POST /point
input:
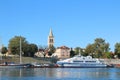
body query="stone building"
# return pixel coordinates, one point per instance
(62, 52)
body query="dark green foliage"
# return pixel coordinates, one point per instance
(31, 49)
(72, 53)
(108, 55)
(98, 48)
(51, 50)
(27, 49)
(14, 44)
(49, 53)
(80, 51)
(77, 50)
(117, 49)
(89, 49)
(4, 50)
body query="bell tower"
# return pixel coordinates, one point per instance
(50, 39)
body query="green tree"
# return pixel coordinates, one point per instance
(108, 55)
(4, 50)
(101, 47)
(77, 50)
(14, 45)
(32, 48)
(51, 50)
(98, 48)
(90, 50)
(27, 49)
(72, 53)
(117, 49)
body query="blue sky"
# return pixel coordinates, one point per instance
(74, 22)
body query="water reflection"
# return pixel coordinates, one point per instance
(58, 73)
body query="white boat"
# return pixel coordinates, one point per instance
(82, 62)
(15, 65)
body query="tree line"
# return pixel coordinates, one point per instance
(27, 49)
(99, 48)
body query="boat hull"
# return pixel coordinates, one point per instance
(83, 62)
(70, 65)
(16, 66)
(13, 66)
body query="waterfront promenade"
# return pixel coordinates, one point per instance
(25, 60)
(112, 61)
(115, 62)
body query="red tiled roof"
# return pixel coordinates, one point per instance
(63, 47)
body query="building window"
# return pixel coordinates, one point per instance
(67, 54)
(62, 53)
(51, 40)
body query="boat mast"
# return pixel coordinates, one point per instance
(20, 51)
(0, 48)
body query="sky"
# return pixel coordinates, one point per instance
(75, 23)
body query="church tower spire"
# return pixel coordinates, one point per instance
(50, 39)
(50, 34)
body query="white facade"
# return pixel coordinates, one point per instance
(39, 54)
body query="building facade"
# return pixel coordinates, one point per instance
(40, 53)
(62, 52)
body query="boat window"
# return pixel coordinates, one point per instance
(90, 61)
(83, 58)
(78, 61)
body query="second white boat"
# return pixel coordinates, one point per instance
(82, 62)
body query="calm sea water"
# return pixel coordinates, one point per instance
(60, 74)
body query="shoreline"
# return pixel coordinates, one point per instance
(115, 62)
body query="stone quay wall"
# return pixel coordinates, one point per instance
(112, 61)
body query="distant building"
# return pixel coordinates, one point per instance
(40, 53)
(1, 46)
(62, 52)
(50, 39)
